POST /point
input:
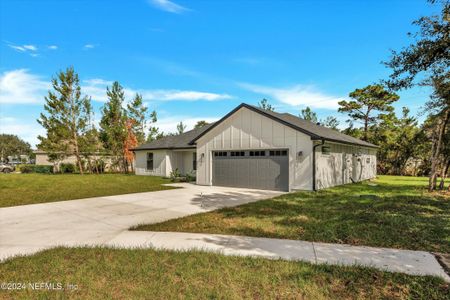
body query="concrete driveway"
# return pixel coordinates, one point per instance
(96, 221)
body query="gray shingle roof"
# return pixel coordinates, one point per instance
(181, 141)
(316, 132)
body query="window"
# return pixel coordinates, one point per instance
(194, 161)
(278, 153)
(237, 153)
(150, 161)
(368, 160)
(220, 153)
(257, 153)
(326, 150)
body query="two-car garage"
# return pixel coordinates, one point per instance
(258, 169)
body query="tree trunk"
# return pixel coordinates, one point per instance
(436, 151)
(444, 174)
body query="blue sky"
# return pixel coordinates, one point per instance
(195, 60)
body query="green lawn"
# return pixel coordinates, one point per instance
(101, 273)
(20, 189)
(397, 212)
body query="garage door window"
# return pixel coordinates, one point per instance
(220, 153)
(237, 153)
(257, 153)
(278, 153)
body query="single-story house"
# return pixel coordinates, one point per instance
(42, 158)
(256, 148)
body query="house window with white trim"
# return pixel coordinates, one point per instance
(150, 161)
(194, 161)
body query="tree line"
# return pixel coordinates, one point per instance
(68, 119)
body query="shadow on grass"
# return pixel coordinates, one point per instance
(394, 215)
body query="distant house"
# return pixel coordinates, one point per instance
(255, 148)
(42, 158)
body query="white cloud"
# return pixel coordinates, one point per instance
(21, 87)
(30, 47)
(168, 6)
(17, 48)
(297, 95)
(96, 88)
(88, 46)
(53, 47)
(22, 128)
(169, 124)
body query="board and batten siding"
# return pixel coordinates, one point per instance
(245, 130)
(344, 163)
(159, 163)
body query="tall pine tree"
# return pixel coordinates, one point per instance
(113, 131)
(65, 118)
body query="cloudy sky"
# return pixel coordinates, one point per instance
(197, 60)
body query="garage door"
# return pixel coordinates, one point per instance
(257, 169)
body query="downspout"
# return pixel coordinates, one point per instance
(314, 164)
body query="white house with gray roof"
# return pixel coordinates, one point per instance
(254, 148)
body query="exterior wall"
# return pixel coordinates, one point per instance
(246, 129)
(344, 163)
(164, 162)
(159, 163)
(42, 159)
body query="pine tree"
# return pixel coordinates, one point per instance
(66, 117)
(367, 102)
(137, 111)
(180, 128)
(113, 130)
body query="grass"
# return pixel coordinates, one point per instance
(20, 189)
(102, 273)
(397, 212)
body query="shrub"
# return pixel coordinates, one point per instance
(190, 178)
(67, 168)
(26, 169)
(174, 175)
(36, 169)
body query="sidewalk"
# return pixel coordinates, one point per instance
(393, 260)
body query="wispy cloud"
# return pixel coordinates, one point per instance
(297, 95)
(96, 88)
(29, 49)
(22, 87)
(88, 46)
(52, 47)
(168, 6)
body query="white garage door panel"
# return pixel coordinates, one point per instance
(269, 171)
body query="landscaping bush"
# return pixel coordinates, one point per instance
(174, 175)
(67, 168)
(26, 169)
(36, 169)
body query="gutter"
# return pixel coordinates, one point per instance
(314, 163)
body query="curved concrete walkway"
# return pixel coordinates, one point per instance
(393, 260)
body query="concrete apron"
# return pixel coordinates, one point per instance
(392, 260)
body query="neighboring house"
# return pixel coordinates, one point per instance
(43, 159)
(255, 148)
